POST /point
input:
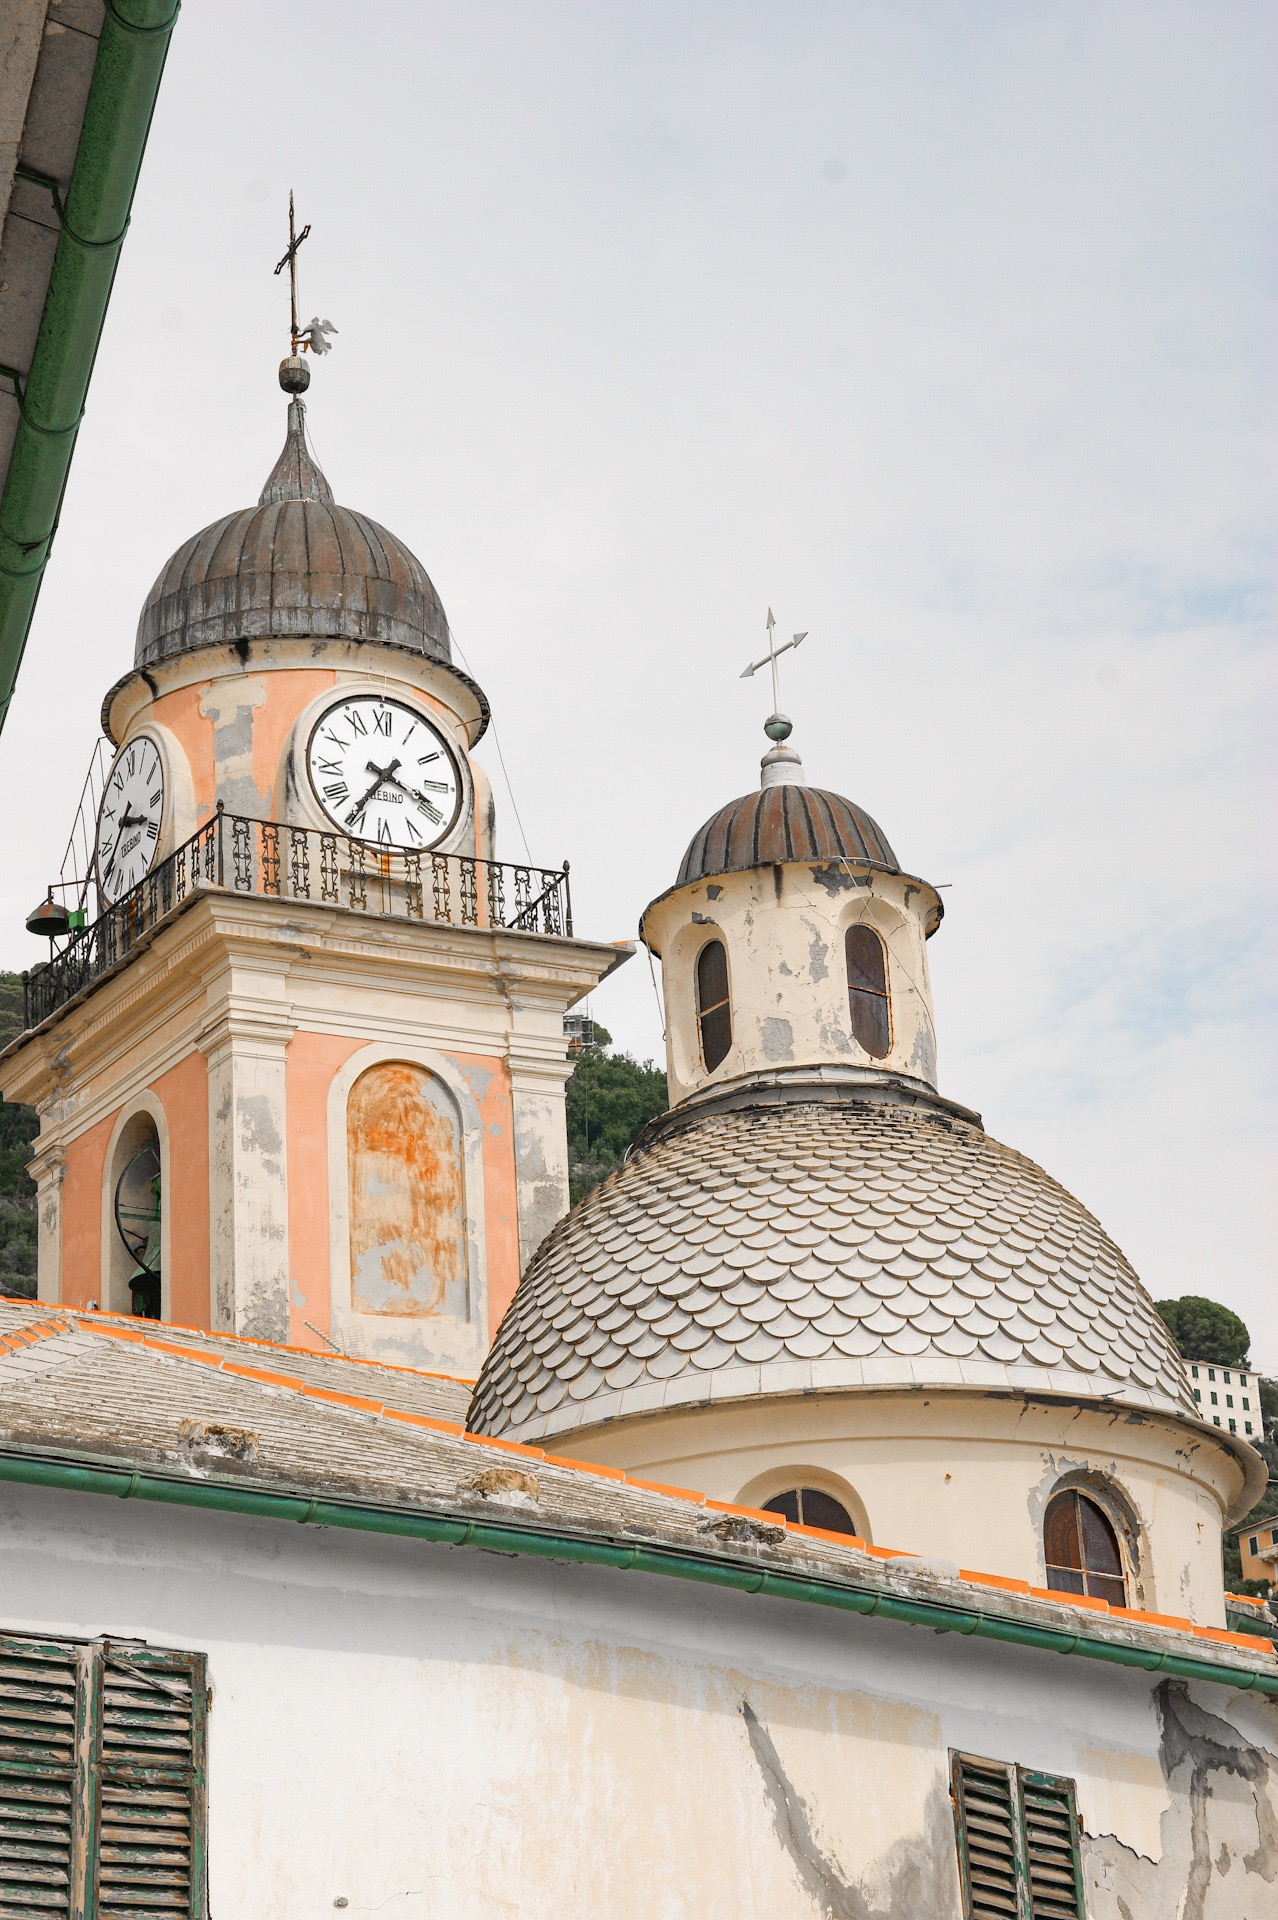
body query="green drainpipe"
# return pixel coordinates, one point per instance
(117, 119)
(457, 1531)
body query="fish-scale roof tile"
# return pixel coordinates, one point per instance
(737, 1251)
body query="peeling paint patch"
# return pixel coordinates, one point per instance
(793, 1823)
(836, 879)
(778, 1039)
(407, 1213)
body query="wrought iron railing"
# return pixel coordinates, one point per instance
(241, 855)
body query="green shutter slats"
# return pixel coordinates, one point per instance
(1018, 1842)
(1051, 1847)
(38, 1683)
(152, 1786)
(985, 1806)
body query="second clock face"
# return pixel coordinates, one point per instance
(383, 773)
(129, 818)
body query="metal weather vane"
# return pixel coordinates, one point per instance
(313, 337)
(769, 659)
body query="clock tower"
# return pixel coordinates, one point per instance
(301, 1077)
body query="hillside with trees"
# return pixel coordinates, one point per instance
(18, 1129)
(611, 1097)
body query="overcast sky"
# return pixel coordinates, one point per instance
(944, 329)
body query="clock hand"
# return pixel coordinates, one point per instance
(383, 775)
(128, 820)
(420, 798)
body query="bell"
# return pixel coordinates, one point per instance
(50, 919)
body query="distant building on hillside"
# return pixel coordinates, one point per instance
(1229, 1397)
(1258, 1549)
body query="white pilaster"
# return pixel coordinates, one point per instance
(246, 1049)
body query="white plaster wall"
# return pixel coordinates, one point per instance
(424, 1731)
(783, 934)
(956, 1476)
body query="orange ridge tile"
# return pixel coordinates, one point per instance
(1001, 1580)
(828, 1533)
(1254, 1642)
(423, 1420)
(578, 1466)
(259, 1374)
(331, 1396)
(749, 1513)
(90, 1325)
(1172, 1620)
(889, 1553)
(676, 1493)
(1071, 1599)
(113, 1333)
(183, 1353)
(509, 1446)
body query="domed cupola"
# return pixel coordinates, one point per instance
(817, 1272)
(296, 564)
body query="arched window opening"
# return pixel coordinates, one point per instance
(1082, 1550)
(137, 1214)
(809, 1507)
(867, 990)
(407, 1202)
(714, 1014)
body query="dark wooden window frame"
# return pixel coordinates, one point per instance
(869, 1002)
(714, 1016)
(1019, 1852)
(1097, 1581)
(794, 1501)
(103, 1779)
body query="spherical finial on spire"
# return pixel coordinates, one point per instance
(778, 727)
(295, 375)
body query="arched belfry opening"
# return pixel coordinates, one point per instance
(135, 1225)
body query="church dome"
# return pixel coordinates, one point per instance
(295, 564)
(781, 823)
(827, 1244)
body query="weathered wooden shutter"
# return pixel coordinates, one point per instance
(149, 1842)
(989, 1839)
(101, 1781)
(42, 1694)
(1018, 1842)
(1051, 1847)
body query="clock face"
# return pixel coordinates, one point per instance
(383, 773)
(129, 818)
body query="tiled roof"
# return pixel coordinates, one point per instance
(80, 1389)
(785, 823)
(846, 1244)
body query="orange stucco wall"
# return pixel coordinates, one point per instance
(312, 1060)
(489, 1081)
(183, 1092)
(285, 691)
(82, 1215)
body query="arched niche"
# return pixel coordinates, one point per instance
(779, 1481)
(406, 1188)
(406, 1209)
(135, 1213)
(1118, 1520)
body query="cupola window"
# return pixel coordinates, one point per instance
(867, 990)
(1082, 1549)
(714, 1014)
(809, 1507)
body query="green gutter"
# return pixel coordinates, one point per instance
(117, 119)
(671, 1561)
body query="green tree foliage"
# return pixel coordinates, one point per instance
(1204, 1330)
(18, 1129)
(610, 1098)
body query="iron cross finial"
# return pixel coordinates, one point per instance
(770, 659)
(295, 240)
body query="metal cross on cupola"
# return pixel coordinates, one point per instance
(313, 338)
(777, 726)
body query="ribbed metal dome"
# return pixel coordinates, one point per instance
(784, 823)
(820, 1245)
(295, 564)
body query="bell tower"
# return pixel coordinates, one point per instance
(301, 1077)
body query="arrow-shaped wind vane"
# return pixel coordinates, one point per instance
(770, 657)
